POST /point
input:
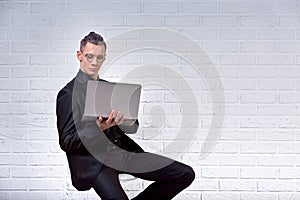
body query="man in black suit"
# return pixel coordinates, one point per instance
(93, 148)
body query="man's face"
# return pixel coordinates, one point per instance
(91, 59)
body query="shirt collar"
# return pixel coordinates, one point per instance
(83, 77)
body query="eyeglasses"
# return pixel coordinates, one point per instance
(90, 57)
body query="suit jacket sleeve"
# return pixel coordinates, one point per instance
(72, 133)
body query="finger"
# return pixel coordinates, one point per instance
(110, 117)
(118, 116)
(99, 118)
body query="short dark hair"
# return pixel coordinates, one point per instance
(93, 38)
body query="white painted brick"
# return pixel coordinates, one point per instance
(45, 109)
(4, 97)
(276, 110)
(28, 147)
(29, 172)
(237, 160)
(13, 8)
(10, 59)
(5, 72)
(21, 72)
(198, 7)
(17, 34)
(222, 172)
(13, 84)
(239, 84)
(228, 185)
(122, 8)
(290, 195)
(204, 185)
(236, 7)
(13, 109)
(195, 160)
(291, 122)
(4, 172)
(13, 160)
(29, 121)
(46, 84)
(289, 47)
(257, 148)
(258, 21)
(4, 21)
(233, 134)
(216, 21)
(29, 97)
(258, 47)
(241, 110)
(49, 33)
(275, 34)
(106, 20)
(4, 195)
(258, 173)
(12, 133)
(262, 97)
(63, 47)
(275, 160)
(83, 7)
(240, 34)
(200, 34)
(258, 196)
(275, 186)
(47, 7)
(288, 148)
(43, 135)
(276, 59)
(4, 47)
(258, 72)
(50, 184)
(276, 135)
(13, 184)
(275, 7)
(237, 59)
(276, 84)
(45, 160)
(220, 46)
(47, 59)
(289, 21)
(182, 21)
(220, 196)
(187, 195)
(30, 21)
(258, 122)
(289, 173)
(144, 21)
(289, 72)
(289, 98)
(28, 195)
(162, 7)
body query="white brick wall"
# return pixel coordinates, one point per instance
(254, 44)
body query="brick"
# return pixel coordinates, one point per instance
(84, 7)
(276, 84)
(47, 59)
(275, 186)
(237, 59)
(222, 172)
(12, 109)
(29, 97)
(258, 122)
(220, 196)
(28, 147)
(51, 184)
(13, 84)
(276, 135)
(11, 59)
(198, 8)
(4, 20)
(30, 21)
(22, 72)
(261, 97)
(47, 8)
(4, 172)
(258, 72)
(220, 46)
(233, 134)
(276, 59)
(241, 34)
(43, 135)
(28, 195)
(67, 21)
(237, 7)
(200, 34)
(288, 148)
(13, 184)
(278, 7)
(195, 160)
(160, 8)
(289, 21)
(45, 160)
(4, 72)
(258, 173)
(49, 33)
(258, 47)
(46, 84)
(241, 110)
(122, 8)
(258, 21)
(242, 84)
(4, 47)
(289, 72)
(289, 173)
(144, 20)
(204, 185)
(275, 34)
(237, 185)
(29, 172)
(216, 21)
(258, 196)
(14, 34)
(5, 97)
(182, 21)
(13, 8)
(63, 47)
(289, 98)
(277, 110)
(275, 160)
(237, 160)
(258, 148)
(13, 160)
(45, 109)
(291, 122)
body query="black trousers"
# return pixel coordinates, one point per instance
(169, 180)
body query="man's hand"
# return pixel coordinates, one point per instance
(111, 121)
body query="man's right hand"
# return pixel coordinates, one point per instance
(111, 121)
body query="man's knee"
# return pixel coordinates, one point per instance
(188, 175)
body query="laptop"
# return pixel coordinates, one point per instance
(102, 97)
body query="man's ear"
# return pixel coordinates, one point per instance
(79, 56)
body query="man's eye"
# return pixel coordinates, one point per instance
(89, 56)
(100, 57)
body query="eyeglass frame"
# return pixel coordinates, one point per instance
(93, 57)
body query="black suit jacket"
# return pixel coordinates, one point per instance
(84, 167)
